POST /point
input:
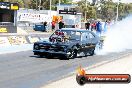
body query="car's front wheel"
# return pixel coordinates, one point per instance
(49, 56)
(40, 55)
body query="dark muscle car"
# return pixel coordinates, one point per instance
(67, 43)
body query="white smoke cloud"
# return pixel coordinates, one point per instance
(119, 37)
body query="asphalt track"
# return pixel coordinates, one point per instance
(24, 70)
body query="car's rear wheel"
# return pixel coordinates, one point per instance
(91, 52)
(75, 53)
(72, 55)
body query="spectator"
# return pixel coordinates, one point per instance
(61, 25)
(93, 26)
(105, 26)
(98, 28)
(53, 25)
(45, 25)
(87, 25)
(76, 26)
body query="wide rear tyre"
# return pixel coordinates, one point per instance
(73, 54)
(91, 52)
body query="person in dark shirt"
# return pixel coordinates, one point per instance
(87, 25)
(53, 25)
(99, 28)
(61, 25)
(45, 24)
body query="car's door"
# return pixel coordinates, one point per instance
(85, 40)
(93, 39)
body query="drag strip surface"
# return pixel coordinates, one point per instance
(24, 70)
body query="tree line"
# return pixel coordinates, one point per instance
(105, 9)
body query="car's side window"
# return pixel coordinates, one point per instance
(75, 35)
(91, 36)
(85, 37)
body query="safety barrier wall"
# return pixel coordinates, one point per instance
(4, 41)
(18, 40)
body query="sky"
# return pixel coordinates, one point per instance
(124, 1)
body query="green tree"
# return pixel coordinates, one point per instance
(90, 10)
(2, 0)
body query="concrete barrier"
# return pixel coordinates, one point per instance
(20, 39)
(4, 41)
(17, 40)
(33, 39)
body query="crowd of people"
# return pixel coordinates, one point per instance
(97, 26)
(59, 25)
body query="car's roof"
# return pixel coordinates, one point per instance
(74, 29)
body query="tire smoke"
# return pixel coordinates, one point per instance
(118, 37)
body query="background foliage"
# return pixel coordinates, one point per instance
(105, 9)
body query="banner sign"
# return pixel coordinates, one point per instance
(8, 5)
(14, 6)
(67, 12)
(33, 17)
(4, 5)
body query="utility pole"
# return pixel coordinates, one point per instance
(59, 7)
(85, 11)
(50, 16)
(36, 4)
(39, 4)
(117, 11)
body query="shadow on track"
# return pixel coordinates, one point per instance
(59, 57)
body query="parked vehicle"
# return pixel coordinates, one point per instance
(40, 27)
